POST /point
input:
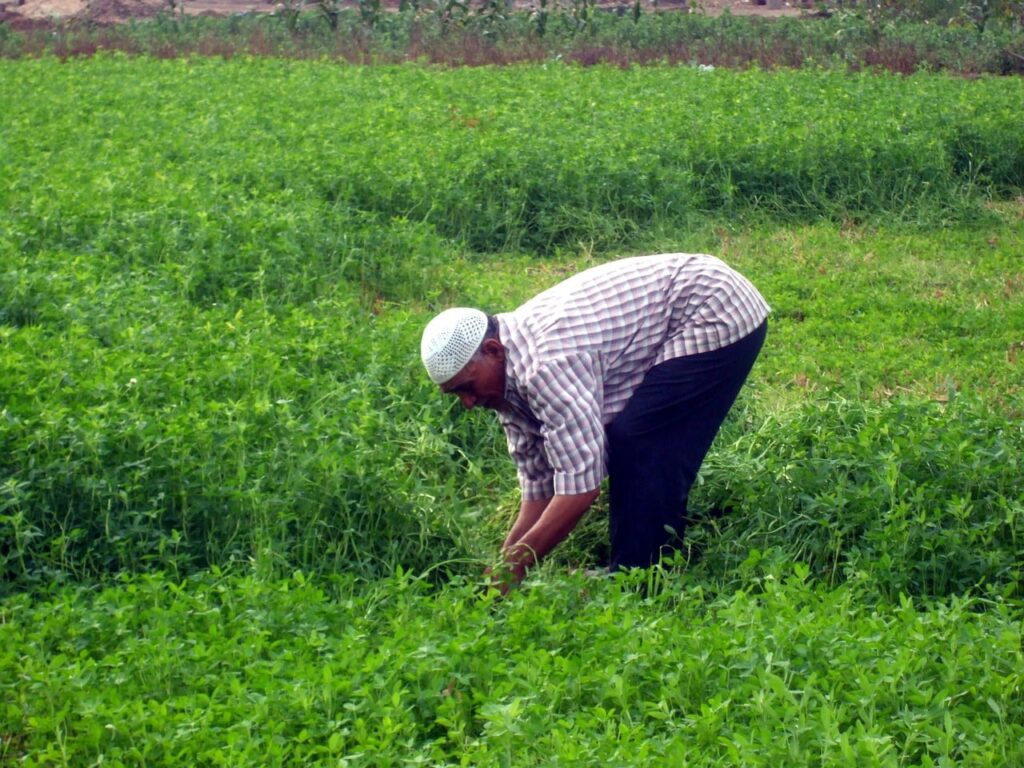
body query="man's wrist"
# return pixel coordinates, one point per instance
(518, 558)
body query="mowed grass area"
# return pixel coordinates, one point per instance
(241, 528)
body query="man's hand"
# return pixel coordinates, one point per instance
(541, 526)
(505, 576)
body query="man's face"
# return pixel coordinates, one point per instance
(482, 381)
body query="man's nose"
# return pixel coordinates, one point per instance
(468, 401)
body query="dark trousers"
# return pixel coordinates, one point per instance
(658, 442)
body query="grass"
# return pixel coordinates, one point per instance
(240, 527)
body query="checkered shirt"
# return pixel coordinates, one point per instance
(576, 353)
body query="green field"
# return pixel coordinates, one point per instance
(240, 527)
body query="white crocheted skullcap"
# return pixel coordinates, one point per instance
(450, 340)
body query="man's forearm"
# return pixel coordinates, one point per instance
(529, 513)
(551, 526)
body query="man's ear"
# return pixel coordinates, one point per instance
(494, 348)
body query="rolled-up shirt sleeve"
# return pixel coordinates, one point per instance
(565, 394)
(527, 449)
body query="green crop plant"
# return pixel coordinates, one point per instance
(201, 300)
(248, 672)
(894, 495)
(238, 525)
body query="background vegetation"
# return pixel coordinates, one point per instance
(943, 35)
(238, 526)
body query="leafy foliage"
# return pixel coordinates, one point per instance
(915, 497)
(588, 672)
(961, 37)
(210, 302)
(239, 527)
(534, 158)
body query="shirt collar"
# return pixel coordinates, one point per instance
(515, 392)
